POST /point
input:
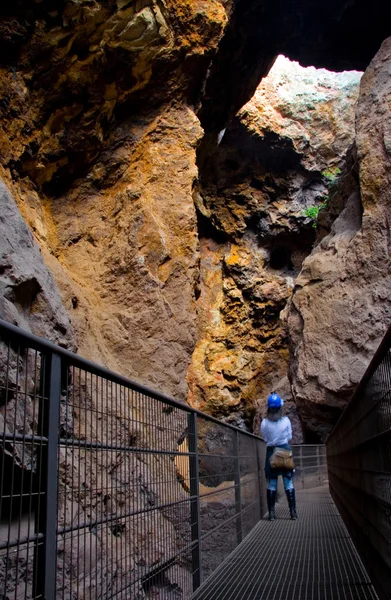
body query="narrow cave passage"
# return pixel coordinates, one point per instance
(259, 194)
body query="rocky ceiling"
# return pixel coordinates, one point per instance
(76, 70)
(337, 35)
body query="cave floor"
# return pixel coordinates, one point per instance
(311, 558)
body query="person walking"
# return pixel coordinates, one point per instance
(276, 430)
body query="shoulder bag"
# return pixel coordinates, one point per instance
(282, 459)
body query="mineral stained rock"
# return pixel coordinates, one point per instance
(98, 139)
(341, 305)
(251, 201)
(148, 268)
(71, 73)
(129, 255)
(98, 144)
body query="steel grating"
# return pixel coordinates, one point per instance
(311, 558)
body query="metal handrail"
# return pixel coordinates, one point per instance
(385, 344)
(359, 466)
(83, 363)
(93, 454)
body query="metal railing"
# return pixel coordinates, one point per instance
(310, 466)
(359, 464)
(109, 489)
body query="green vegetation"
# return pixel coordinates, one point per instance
(312, 212)
(331, 175)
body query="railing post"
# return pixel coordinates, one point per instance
(318, 465)
(195, 513)
(260, 481)
(238, 490)
(49, 412)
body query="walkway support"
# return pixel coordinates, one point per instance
(359, 465)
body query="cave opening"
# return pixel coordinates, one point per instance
(207, 230)
(312, 437)
(262, 185)
(281, 258)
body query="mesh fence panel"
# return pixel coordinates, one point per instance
(111, 490)
(359, 463)
(310, 466)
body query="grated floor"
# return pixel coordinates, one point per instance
(311, 558)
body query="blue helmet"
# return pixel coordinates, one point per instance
(274, 401)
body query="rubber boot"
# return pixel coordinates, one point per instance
(271, 501)
(290, 494)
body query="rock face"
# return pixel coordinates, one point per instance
(98, 139)
(339, 35)
(99, 145)
(29, 295)
(341, 306)
(71, 71)
(133, 252)
(126, 256)
(312, 109)
(254, 233)
(159, 270)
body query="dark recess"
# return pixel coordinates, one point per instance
(280, 258)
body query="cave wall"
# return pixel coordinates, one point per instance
(340, 307)
(159, 252)
(101, 105)
(29, 295)
(72, 71)
(251, 201)
(98, 145)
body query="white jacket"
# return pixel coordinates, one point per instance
(276, 433)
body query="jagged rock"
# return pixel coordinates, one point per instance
(237, 356)
(29, 296)
(124, 251)
(129, 254)
(341, 306)
(254, 233)
(159, 261)
(312, 110)
(71, 72)
(100, 143)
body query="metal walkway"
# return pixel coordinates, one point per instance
(311, 558)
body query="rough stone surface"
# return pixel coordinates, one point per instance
(29, 296)
(313, 109)
(340, 306)
(125, 255)
(122, 239)
(71, 71)
(98, 143)
(254, 233)
(129, 255)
